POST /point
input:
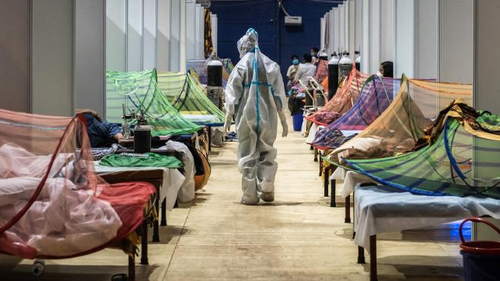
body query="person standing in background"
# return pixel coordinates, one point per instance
(292, 70)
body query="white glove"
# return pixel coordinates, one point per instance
(227, 122)
(284, 125)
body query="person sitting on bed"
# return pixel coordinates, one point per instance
(101, 133)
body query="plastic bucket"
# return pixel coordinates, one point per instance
(481, 258)
(297, 121)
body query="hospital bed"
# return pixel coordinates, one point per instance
(381, 209)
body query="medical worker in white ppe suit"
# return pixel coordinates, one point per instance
(256, 95)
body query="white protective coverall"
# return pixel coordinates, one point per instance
(256, 94)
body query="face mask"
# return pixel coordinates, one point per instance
(379, 74)
(295, 62)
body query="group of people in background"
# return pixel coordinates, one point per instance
(302, 72)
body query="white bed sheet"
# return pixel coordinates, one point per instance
(312, 132)
(172, 180)
(381, 209)
(202, 118)
(350, 180)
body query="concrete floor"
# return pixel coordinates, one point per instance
(299, 237)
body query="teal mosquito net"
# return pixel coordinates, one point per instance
(457, 156)
(188, 97)
(139, 91)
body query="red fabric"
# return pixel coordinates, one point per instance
(127, 199)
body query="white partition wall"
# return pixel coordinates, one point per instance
(352, 28)
(426, 30)
(336, 37)
(89, 55)
(214, 31)
(175, 33)
(455, 41)
(331, 31)
(52, 57)
(342, 25)
(116, 35)
(134, 35)
(190, 29)
(404, 38)
(358, 25)
(163, 35)
(200, 32)
(149, 18)
(182, 46)
(486, 55)
(322, 37)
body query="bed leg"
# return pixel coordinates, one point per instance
(361, 255)
(209, 138)
(131, 268)
(347, 209)
(320, 166)
(325, 181)
(373, 258)
(156, 223)
(164, 213)
(332, 193)
(144, 243)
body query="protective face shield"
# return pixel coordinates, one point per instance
(248, 42)
(295, 61)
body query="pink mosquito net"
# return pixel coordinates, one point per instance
(52, 204)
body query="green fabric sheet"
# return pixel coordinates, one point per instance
(151, 160)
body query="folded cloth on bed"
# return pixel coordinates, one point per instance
(382, 209)
(145, 160)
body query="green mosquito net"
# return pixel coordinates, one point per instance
(458, 155)
(138, 91)
(188, 96)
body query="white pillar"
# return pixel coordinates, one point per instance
(52, 57)
(352, 29)
(404, 38)
(358, 22)
(175, 33)
(134, 35)
(89, 55)
(214, 31)
(163, 40)
(455, 45)
(116, 38)
(331, 35)
(486, 87)
(190, 29)
(182, 48)
(322, 33)
(150, 28)
(426, 33)
(336, 39)
(486, 55)
(342, 21)
(200, 32)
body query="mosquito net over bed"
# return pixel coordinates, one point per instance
(52, 204)
(139, 91)
(188, 97)
(376, 95)
(403, 122)
(458, 155)
(342, 101)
